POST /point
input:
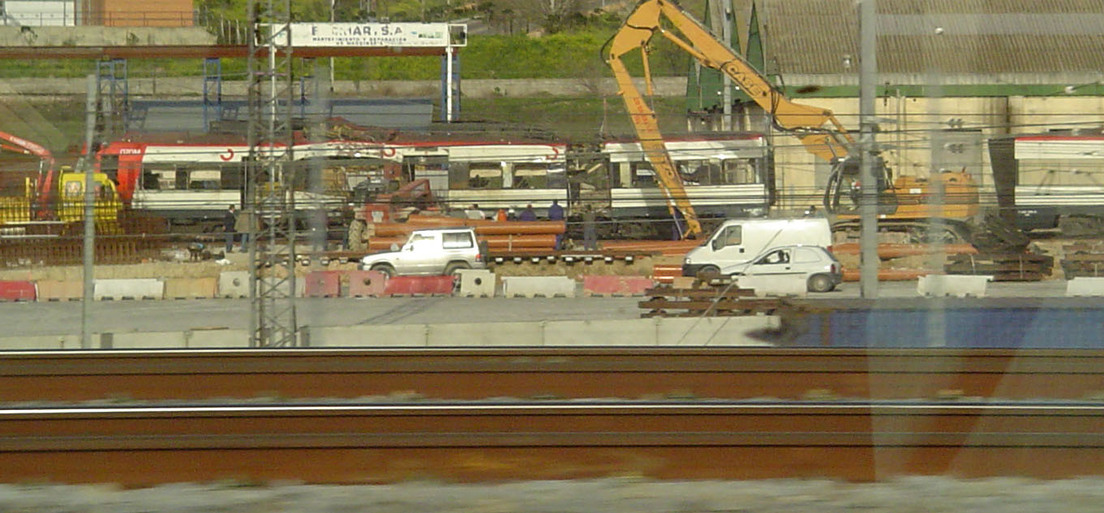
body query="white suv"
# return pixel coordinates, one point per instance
(430, 252)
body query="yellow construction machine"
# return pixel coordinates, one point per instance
(906, 204)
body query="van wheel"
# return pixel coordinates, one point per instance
(820, 283)
(708, 271)
(387, 270)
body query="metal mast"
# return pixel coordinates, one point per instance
(269, 177)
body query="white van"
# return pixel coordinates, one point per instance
(737, 241)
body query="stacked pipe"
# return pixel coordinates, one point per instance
(500, 236)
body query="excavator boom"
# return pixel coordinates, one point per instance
(818, 129)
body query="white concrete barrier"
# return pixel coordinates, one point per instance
(775, 285)
(135, 288)
(953, 285)
(529, 334)
(137, 340)
(717, 331)
(233, 284)
(44, 342)
(1085, 286)
(711, 331)
(534, 286)
(620, 332)
(376, 335)
(476, 283)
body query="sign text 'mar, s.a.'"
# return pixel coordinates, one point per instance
(373, 34)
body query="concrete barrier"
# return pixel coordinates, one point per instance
(135, 340)
(17, 291)
(41, 342)
(528, 334)
(131, 288)
(712, 331)
(621, 332)
(216, 338)
(1085, 286)
(476, 283)
(367, 283)
(190, 288)
(233, 284)
(418, 286)
(534, 286)
(377, 335)
(322, 284)
(716, 331)
(940, 285)
(775, 285)
(599, 285)
(50, 290)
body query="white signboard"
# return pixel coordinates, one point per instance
(374, 35)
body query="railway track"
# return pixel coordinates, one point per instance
(551, 373)
(357, 442)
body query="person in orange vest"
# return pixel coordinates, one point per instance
(500, 215)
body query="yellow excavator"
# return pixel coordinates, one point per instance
(904, 205)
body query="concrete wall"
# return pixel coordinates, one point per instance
(713, 331)
(104, 36)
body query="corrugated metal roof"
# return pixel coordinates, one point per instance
(973, 36)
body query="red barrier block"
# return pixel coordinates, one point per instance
(418, 286)
(323, 284)
(367, 283)
(616, 285)
(17, 291)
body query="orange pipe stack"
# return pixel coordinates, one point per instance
(499, 235)
(901, 250)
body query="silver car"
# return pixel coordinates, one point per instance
(821, 269)
(430, 252)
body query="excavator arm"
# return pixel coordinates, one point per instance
(47, 172)
(818, 129)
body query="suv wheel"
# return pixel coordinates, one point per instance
(820, 283)
(387, 270)
(454, 268)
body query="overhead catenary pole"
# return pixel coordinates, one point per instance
(85, 165)
(270, 176)
(868, 75)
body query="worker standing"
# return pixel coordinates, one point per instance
(528, 214)
(590, 232)
(244, 226)
(556, 213)
(230, 221)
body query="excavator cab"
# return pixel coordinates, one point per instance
(843, 194)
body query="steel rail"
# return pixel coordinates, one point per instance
(357, 442)
(550, 373)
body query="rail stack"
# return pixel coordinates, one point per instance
(706, 300)
(1083, 260)
(1003, 266)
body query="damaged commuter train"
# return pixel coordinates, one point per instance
(189, 180)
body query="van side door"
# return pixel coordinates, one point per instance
(728, 246)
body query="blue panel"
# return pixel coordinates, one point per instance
(1008, 328)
